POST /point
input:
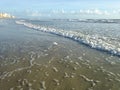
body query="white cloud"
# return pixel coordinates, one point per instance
(33, 13)
(116, 11)
(83, 13)
(62, 11)
(73, 12)
(94, 12)
(36, 14)
(106, 13)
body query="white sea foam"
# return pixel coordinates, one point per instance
(94, 41)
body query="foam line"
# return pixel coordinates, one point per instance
(92, 41)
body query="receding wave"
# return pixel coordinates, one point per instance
(99, 43)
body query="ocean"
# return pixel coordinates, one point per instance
(59, 54)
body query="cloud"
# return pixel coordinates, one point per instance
(62, 11)
(33, 13)
(116, 11)
(36, 14)
(94, 12)
(82, 13)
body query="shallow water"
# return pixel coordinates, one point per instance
(102, 42)
(34, 60)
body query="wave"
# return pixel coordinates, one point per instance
(97, 20)
(90, 20)
(93, 41)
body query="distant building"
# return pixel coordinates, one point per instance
(6, 15)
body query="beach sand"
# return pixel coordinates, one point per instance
(57, 67)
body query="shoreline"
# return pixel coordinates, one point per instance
(32, 60)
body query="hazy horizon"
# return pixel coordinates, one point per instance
(64, 9)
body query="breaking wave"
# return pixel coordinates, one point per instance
(93, 41)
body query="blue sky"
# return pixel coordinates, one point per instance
(81, 9)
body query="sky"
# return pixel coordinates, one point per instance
(64, 9)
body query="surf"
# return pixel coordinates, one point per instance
(93, 41)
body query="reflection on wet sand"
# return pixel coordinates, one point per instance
(54, 68)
